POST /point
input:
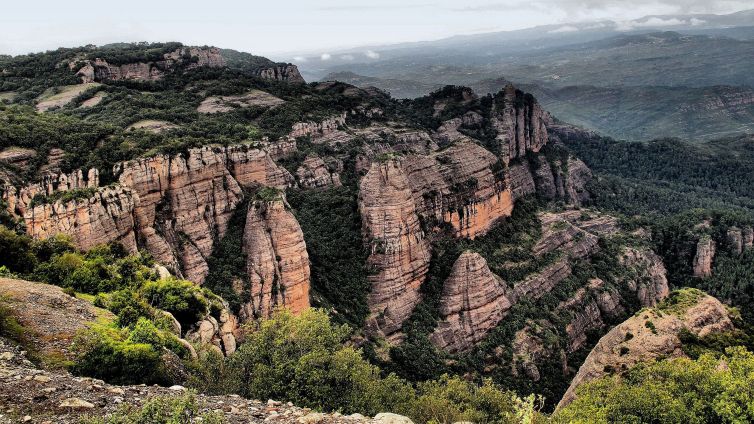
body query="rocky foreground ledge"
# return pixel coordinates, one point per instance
(29, 394)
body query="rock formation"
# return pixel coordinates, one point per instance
(317, 129)
(99, 70)
(222, 334)
(460, 186)
(106, 216)
(473, 302)
(705, 254)
(399, 252)
(651, 334)
(648, 278)
(175, 207)
(735, 240)
(520, 122)
(282, 72)
(277, 260)
(313, 173)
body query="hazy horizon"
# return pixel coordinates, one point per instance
(302, 27)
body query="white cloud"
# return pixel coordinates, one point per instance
(649, 23)
(372, 54)
(299, 59)
(564, 28)
(326, 56)
(696, 21)
(347, 57)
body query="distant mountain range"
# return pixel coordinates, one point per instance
(687, 76)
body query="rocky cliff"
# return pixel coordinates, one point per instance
(175, 207)
(282, 72)
(705, 254)
(99, 70)
(460, 186)
(277, 260)
(399, 251)
(652, 334)
(520, 122)
(473, 302)
(314, 173)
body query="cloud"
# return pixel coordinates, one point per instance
(347, 57)
(372, 54)
(696, 21)
(325, 56)
(564, 28)
(299, 59)
(650, 23)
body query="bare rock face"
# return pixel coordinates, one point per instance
(222, 334)
(460, 186)
(520, 122)
(317, 129)
(287, 73)
(219, 104)
(400, 254)
(104, 217)
(590, 307)
(705, 254)
(100, 70)
(521, 180)
(648, 335)
(314, 173)
(174, 207)
(735, 240)
(277, 261)
(473, 303)
(649, 279)
(17, 156)
(20, 200)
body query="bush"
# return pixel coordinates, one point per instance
(709, 389)
(17, 255)
(182, 409)
(184, 299)
(108, 354)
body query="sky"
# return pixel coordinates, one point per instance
(283, 28)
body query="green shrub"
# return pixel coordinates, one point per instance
(182, 409)
(108, 354)
(184, 299)
(17, 254)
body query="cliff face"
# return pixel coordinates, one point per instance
(277, 260)
(287, 73)
(104, 217)
(100, 70)
(459, 186)
(174, 207)
(705, 254)
(473, 302)
(399, 252)
(649, 335)
(520, 122)
(314, 173)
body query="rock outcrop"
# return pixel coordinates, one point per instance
(399, 251)
(20, 200)
(460, 186)
(277, 260)
(520, 122)
(317, 129)
(282, 72)
(99, 70)
(651, 334)
(314, 173)
(648, 279)
(705, 254)
(223, 334)
(473, 303)
(105, 216)
(175, 207)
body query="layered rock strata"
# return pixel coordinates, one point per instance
(314, 173)
(705, 254)
(282, 72)
(100, 70)
(399, 252)
(277, 260)
(175, 207)
(520, 122)
(649, 335)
